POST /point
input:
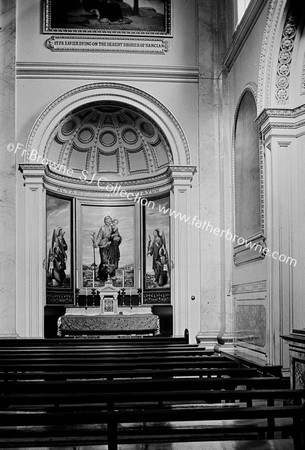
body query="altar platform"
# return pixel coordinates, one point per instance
(106, 324)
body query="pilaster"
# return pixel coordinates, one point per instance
(180, 243)
(31, 296)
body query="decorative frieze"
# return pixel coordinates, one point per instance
(59, 298)
(284, 60)
(159, 298)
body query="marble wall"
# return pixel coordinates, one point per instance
(7, 169)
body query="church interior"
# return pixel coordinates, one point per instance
(152, 271)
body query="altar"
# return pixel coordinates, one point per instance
(100, 324)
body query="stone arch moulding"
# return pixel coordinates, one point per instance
(269, 53)
(115, 92)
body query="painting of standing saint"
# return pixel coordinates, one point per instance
(157, 273)
(107, 245)
(143, 17)
(58, 261)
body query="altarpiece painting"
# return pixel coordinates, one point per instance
(108, 246)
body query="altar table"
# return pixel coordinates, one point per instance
(108, 324)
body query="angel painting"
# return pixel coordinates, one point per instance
(57, 257)
(160, 262)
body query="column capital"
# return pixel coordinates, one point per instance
(181, 175)
(32, 172)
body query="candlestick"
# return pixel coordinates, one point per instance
(123, 278)
(123, 297)
(77, 296)
(139, 278)
(86, 303)
(93, 277)
(76, 278)
(93, 296)
(130, 304)
(139, 296)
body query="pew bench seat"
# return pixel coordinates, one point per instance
(154, 425)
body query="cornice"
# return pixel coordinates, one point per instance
(26, 168)
(242, 32)
(281, 113)
(47, 70)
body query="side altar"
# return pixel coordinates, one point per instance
(108, 318)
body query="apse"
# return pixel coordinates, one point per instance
(111, 140)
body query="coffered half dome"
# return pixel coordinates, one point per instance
(111, 140)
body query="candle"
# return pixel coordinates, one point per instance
(93, 277)
(139, 278)
(123, 278)
(86, 292)
(130, 295)
(76, 278)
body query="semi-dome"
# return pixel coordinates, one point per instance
(110, 140)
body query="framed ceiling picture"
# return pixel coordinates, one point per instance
(107, 17)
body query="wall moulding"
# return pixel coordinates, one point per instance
(252, 286)
(47, 70)
(244, 255)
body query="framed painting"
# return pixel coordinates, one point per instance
(156, 242)
(107, 17)
(107, 237)
(59, 263)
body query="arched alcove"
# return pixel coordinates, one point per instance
(248, 220)
(86, 140)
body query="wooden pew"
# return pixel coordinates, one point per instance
(128, 374)
(102, 362)
(101, 341)
(137, 385)
(83, 415)
(110, 386)
(110, 351)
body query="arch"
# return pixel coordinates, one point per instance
(60, 107)
(257, 228)
(276, 55)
